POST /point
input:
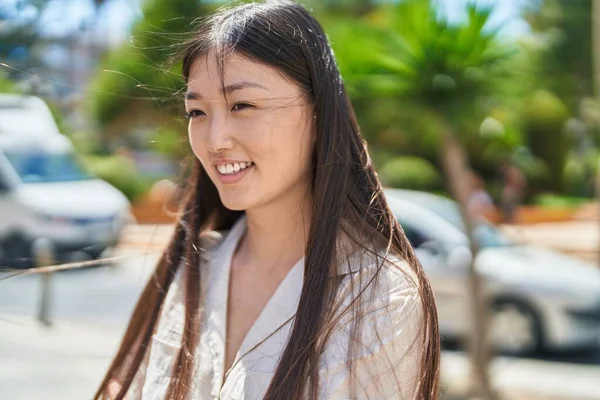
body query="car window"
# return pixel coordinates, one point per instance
(426, 211)
(415, 237)
(35, 167)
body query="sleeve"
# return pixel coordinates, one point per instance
(386, 360)
(154, 371)
(164, 343)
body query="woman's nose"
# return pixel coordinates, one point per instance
(218, 137)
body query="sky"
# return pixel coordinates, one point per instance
(117, 16)
(506, 14)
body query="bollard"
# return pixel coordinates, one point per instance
(43, 253)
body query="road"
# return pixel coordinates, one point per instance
(91, 308)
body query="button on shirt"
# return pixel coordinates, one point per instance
(386, 360)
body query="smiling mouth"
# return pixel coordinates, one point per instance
(233, 168)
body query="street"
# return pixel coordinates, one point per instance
(90, 309)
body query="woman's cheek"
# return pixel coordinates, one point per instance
(196, 143)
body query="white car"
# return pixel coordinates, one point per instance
(26, 115)
(50, 207)
(541, 299)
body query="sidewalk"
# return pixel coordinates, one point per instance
(65, 361)
(146, 236)
(525, 379)
(578, 238)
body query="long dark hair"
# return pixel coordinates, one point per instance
(347, 200)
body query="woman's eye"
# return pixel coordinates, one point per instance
(194, 113)
(241, 106)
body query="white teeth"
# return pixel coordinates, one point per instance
(227, 169)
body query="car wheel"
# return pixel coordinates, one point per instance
(515, 329)
(95, 252)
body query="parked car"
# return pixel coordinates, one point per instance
(541, 299)
(26, 115)
(49, 203)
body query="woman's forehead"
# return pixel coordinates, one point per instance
(207, 74)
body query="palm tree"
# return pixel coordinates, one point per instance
(408, 50)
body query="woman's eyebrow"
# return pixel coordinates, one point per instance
(227, 89)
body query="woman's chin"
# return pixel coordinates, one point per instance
(235, 207)
(235, 203)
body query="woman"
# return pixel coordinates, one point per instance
(287, 277)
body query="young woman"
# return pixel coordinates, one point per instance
(287, 277)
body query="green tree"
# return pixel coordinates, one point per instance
(138, 86)
(565, 29)
(6, 85)
(341, 7)
(448, 70)
(400, 124)
(545, 118)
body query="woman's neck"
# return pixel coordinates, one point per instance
(276, 234)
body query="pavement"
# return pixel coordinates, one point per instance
(578, 238)
(90, 309)
(64, 361)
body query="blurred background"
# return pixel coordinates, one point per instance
(482, 120)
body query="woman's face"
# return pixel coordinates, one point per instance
(255, 140)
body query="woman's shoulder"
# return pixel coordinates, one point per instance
(378, 302)
(380, 288)
(381, 273)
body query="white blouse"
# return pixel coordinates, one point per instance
(387, 355)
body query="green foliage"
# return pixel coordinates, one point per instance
(546, 116)
(414, 76)
(340, 7)
(120, 172)
(580, 172)
(85, 142)
(406, 52)
(139, 81)
(428, 60)
(498, 139)
(409, 172)
(6, 85)
(576, 179)
(565, 61)
(551, 200)
(399, 126)
(170, 142)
